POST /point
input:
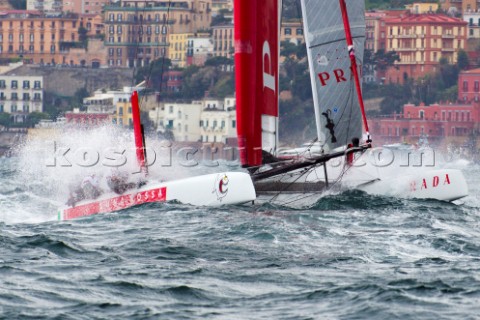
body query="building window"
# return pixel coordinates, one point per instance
(26, 84)
(14, 96)
(14, 84)
(465, 86)
(37, 85)
(299, 31)
(476, 86)
(288, 31)
(234, 123)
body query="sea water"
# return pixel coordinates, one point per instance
(351, 255)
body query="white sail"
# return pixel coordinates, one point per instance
(337, 113)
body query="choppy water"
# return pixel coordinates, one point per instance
(351, 256)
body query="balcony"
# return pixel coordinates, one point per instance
(405, 49)
(448, 49)
(448, 36)
(406, 36)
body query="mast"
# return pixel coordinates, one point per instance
(138, 133)
(354, 67)
(256, 74)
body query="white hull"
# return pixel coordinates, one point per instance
(207, 190)
(399, 174)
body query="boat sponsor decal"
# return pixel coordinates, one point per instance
(116, 203)
(220, 187)
(325, 76)
(322, 60)
(426, 183)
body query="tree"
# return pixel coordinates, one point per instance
(384, 60)
(462, 60)
(153, 73)
(82, 36)
(35, 117)
(18, 4)
(5, 119)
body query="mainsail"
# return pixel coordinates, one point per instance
(337, 113)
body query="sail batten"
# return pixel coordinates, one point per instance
(337, 115)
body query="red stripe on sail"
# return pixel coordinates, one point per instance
(138, 133)
(116, 203)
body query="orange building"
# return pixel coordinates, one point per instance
(421, 41)
(460, 5)
(42, 40)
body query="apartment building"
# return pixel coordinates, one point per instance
(84, 6)
(41, 39)
(199, 49)
(218, 120)
(292, 31)
(469, 86)
(460, 6)
(49, 7)
(138, 31)
(177, 51)
(422, 7)
(223, 41)
(218, 5)
(421, 41)
(473, 20)
(209, 120)
(21, 95)
(181, 119)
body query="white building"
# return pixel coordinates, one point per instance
(218, 120)
(473, 20)
(21, 95)
(53, 7)
(182, 119)
(199, 50)
(210, 120)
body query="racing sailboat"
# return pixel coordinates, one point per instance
(222, 188)
(334, 34)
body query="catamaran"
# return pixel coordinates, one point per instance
(334, 35)
(217, 189)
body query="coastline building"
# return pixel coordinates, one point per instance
(138, 31)
(218, 120)
(422, 7)
(421, 41)
(38, 39)
(177, 50)
(21, 95)
(181, 119)
(460, 6)
(84, 6)
(292, 31)
(199, 49)
(473, 20)
(223, 41)
(48, 7)
(469, 86)
(440, 122)
(209, 120)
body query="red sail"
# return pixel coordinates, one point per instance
(138, 133)
(256, 73)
